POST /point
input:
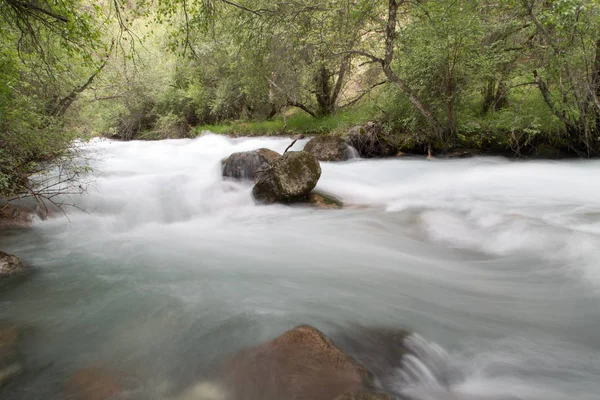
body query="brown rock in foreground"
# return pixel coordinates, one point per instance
(10, 363)
(92, 384)
(301, 364)
(365, 396)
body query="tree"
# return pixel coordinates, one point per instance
(50, 52)
(567, 65)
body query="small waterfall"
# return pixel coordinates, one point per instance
(426, 362)
(352, 152)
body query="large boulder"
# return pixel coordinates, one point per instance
(369, 141)
(301, 364)
(328, 148)
(248, 164)
(288, 179)
(10, 265)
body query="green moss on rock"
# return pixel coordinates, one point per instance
(290, 178)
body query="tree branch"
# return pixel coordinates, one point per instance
(241, 7)
(390, 38)
(363, 94)
(364, 54)
(64, 103)
(29, 7)
(301, 106)
(548, 99)
(291, 102)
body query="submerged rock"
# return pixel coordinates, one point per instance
(301, 364)
(10, 362)
(461, 153)
(323, 200)
(381, 350)
(10, 265)
(247, 165)
(397, 358)
(93, 384)
(288, 179)
(204, 391)
(369, 141)
(365, 396)
(328, 148)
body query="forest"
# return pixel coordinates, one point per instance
(518, 78)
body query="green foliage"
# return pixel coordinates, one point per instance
(297, 123)
(48, 50)
(179, 67)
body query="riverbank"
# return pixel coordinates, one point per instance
(534, 135)
(490, 142)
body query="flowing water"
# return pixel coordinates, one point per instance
(496, 263)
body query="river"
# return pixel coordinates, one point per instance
(171, 269)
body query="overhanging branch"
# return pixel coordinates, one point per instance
(31, 8)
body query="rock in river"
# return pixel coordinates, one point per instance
(324, 200)
(93, 383)
(370, 142)
(301, 364)
(246, 165)
(288, 179)
(10, 265)
(10, 359)
(328, 148)
(365, 396)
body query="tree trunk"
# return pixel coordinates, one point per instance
(450, 101)
(495, 97)
(489, 97)
(595, 90)
(501, 97)
(323, 91)
(62, 105)
(390, 39)
(572, 128)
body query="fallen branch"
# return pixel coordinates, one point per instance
(293, 143)
(290, 146)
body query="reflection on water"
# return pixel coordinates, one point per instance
(494, 262)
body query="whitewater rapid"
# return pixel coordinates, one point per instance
(169, 269)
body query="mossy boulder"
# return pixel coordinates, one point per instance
(369, 141)
(301, 364)
(10, 265)
(288, 179)
(248, 165)
(328, 148)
